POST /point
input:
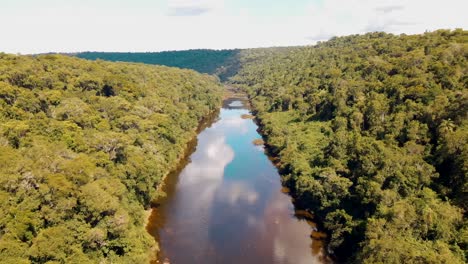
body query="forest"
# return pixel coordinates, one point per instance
(215, 62)
(82, 147)
(371, 133)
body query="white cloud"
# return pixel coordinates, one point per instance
(68, 26)
(235, 122)
(193, 7)
(336, 17)
(389, 8)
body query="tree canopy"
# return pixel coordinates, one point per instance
(370, 130)
(372, 136)
(82, 147)
(217, 62)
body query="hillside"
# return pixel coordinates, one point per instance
(82, 146)
(217, 62)
(371, 132)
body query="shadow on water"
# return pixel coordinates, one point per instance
(225, 202)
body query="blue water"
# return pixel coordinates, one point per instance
(227, 205)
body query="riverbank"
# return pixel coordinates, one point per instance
(272, 150)
(190, 146)
(319, 233)
(234, 92)
(229, 180)
(181, 162)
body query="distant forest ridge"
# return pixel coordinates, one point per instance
(216, 62)
(224, 63)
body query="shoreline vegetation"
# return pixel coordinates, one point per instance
(204, 123)
(370, 134)
(152, 221)
(82, 147)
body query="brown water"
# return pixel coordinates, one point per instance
(226, 203)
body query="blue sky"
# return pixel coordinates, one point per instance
(33, 26)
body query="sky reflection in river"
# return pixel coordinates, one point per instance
(227, 206)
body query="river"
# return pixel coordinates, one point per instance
(226, 203)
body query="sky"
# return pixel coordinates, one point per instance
(38, 26)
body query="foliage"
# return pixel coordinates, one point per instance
(82, 146)
(219, 62)
(372, 136)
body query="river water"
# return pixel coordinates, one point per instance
(226, 203)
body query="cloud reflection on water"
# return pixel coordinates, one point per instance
(190, 218)
(234, 123)
(234, 212)
(290, 237)
(239, 192)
